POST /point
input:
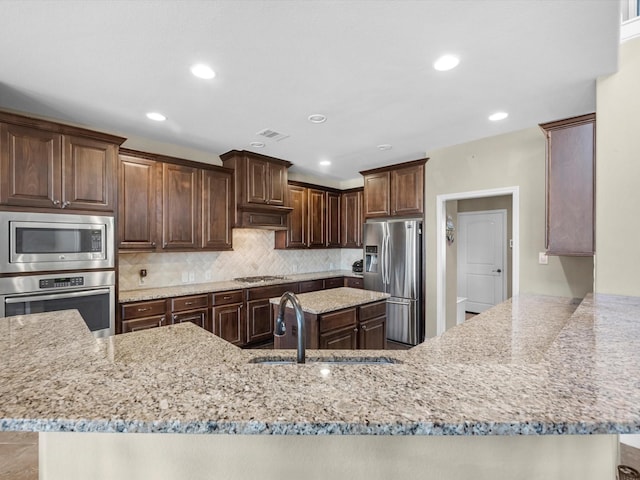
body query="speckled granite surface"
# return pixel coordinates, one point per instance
(528, 366)
(196, 288)
(324, 301)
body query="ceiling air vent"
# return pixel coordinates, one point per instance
(272, 134)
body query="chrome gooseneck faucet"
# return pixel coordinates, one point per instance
(280, 326)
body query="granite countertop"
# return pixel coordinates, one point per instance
(532, 365)
(324, 301)
(223, 286)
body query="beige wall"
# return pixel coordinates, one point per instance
(502, 202)
(513, 159)
(452, 267)
(618, 176)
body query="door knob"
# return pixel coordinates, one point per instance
(498, 270)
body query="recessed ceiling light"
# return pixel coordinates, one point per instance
(201, 70)
(317, 118)
(498, 116)
(446, 62)
(158, 117)
(325, 163)
(384, 146)
(257, 144)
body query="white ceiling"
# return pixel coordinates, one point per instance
(366, 65)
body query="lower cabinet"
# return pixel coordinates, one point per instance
(227, 316)
(142, 315)
(192, 309)
(260, 319)
(354, 282)
(362, 327)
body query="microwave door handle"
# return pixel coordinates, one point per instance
(57, 296)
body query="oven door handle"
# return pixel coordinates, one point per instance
(57, 296)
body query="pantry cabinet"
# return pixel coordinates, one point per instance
(395, 190)
(45, 165)
(570, 176)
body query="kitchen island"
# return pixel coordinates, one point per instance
(534, 382)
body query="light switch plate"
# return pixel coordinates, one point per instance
(543, 258)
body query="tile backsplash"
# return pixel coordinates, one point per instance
(253, 254)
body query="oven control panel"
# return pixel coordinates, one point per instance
(62, 282)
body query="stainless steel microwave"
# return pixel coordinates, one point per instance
(40, 242)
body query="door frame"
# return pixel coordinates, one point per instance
(505, 245)
(441, 244)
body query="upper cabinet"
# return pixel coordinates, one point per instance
(260, 189)
(314, 221)
(571, 185)
(52, 166)
(351, 218)
(188, 206)
(395, 190)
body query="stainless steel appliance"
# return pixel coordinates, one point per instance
(393, 264)
(41, 242)
(91, 293)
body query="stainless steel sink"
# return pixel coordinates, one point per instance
(330, 361)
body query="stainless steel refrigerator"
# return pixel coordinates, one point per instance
(393, 264)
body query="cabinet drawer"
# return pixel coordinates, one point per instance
(143, 309)
(227, 298)
(189, 303)
(310, 286)
(354, 282)
(271, 291)
(334, 282)
(144, 323)
(339, 319)
(373, 310)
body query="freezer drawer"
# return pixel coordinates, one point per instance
(402, 320)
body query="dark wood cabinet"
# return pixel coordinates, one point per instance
(137, 223)
(354, 282)
(570, 172)
(259, 316)
(180, 207)
(372, 328)
(260, 188)
(187, 205)
(142, 315)
(316, 222)
(227, 316)
(332, 220)
(297, 233)
(193, 308)
(334, 282)
(48, 165)
(395, 190)
(346, 339)
(351, 219)
(310, 286)
(217, 210)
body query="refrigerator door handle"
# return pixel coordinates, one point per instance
(394, 302)
(387, 263)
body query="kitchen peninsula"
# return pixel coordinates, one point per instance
(534, 383)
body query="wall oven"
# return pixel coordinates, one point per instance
(91, 293)
(41, 242)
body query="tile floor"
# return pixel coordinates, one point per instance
(18, 456)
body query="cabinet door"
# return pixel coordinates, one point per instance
(277, 184)
(180, 207)
(351, 231)
(333, 282)
(376, 195)
(316, 221)
(137, 222)
(297, 222)
(372, 334)
(143, 323)
(354, 282)
(257, 181)
(217, 210)
(407, 190)
(346, 339)
(30, 167)
(199, 317)
(259, 323)
(228, 323)
(570, 189)
(333, 219)
(88, 174)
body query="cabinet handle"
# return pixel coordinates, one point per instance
(364, 327)
(55, 202)
(355, 329)
(162, 319)
(153, 244)
(188, 303)
(144, 309)
(226, 297)
(65, 204)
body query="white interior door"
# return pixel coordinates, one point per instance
(482, 258)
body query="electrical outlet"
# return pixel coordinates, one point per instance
(543, 258)
(185, 277)
(192, 277)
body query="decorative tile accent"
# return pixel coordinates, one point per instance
(253, 254)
